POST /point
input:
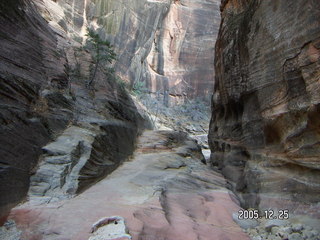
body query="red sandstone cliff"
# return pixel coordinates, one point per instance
(265, 127)
(167, 45)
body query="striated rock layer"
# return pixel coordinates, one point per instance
(87, 132)
(182, 51)
(265, 126)
(167, 45)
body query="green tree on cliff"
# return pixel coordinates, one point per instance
(101, 51)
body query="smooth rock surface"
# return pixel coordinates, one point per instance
(182, 51)
(159, 193)
(244, 223)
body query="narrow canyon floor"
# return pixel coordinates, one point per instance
(164, 191)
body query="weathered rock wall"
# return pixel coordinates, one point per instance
(167, 45)
(183, 52)
(55, 129)
(264, 131)
(41, 105)
(23, 72)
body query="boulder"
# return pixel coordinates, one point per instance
(110, 228)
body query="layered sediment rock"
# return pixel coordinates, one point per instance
(39, 102)
(182, 51)
(167, 45)
(264, 131)
(24, 70)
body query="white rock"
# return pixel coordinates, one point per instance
(275, 230)
(297, 227)
(257, 238)
(109, 228)
(244, 223)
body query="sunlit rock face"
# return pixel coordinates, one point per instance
(265, 128)
(183, 50)
(168, 45)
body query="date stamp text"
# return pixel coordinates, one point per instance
(281, 214)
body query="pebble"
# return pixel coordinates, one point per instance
(297, 228)
(274, 223)
(316, 233)
(276, 229)
(9, 231)
(257, 238)
(307, 234)
(287, 230)
(295, 236)
(275, 238)
(245, 223)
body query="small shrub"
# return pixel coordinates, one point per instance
(123, 85)
(139, 88)
(101, 51)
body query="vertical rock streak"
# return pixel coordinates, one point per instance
(264, 135)
(85, 21)
(175, 38)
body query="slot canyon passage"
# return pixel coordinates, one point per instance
(203, 125)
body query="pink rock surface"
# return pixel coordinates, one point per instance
(183, 49)
(161, 195)
(122, 238)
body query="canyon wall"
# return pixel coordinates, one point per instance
(265, 126)
(57, 135)
(183, 52)
(53, 128)
(167, 45)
